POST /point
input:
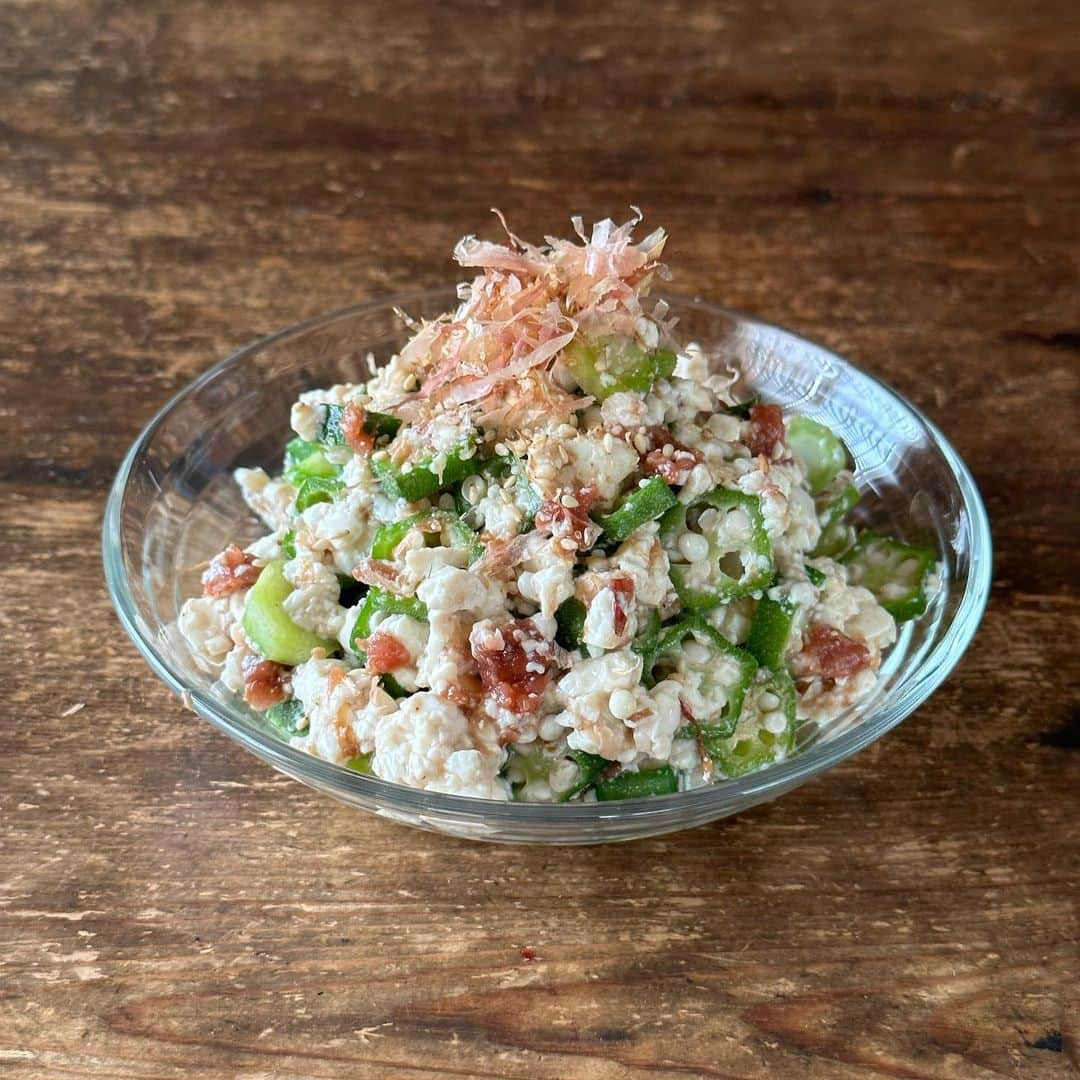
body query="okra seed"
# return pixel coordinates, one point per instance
(693, 547)
(622, 704)
(738, 525)
(769, 701)
(473, 489)
(774, 722)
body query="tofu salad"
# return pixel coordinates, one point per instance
(546, 554)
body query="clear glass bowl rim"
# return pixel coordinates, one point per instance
(721, 797)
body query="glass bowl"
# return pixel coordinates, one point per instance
(174, 504)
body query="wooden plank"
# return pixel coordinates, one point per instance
(900, 183)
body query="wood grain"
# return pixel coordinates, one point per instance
(898, 181)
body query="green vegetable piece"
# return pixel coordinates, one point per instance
(837, 536)
(413, 481)
(272, 632)
(739, 559)
(638, 785)
(665, 361)
(288, 544)
(770, 632)
(296, 450)
(590, 766)
(393, 687)
(361, 764)
(814, 575)
(375, 423)
(642, 504)
(431, 523)
(608, 365)
(527, 766)
(379, 424)
(379, 601)
(820, 451)
(835, 539)
(316, 489)
(570, 619)
(835, 505)
(714, 669)
(286, 716)
(533, 765)
(754, 743)
(647, 639)
(741, 409)
(896, 573)
(307, 459)
(330, 433)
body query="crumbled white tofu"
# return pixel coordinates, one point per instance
(559, 463)
(586, 690)
(499, 512)
(427, 743)
(641, 557)
(550, 585)
(342, 707)
(624, 410)
(608, 625)
(455, 600)
(343, 529)
(313, 603)
(208, 625)
(272, 500)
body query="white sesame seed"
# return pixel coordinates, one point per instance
(609, 442)
(668, 450)
(641, 444)
(567, 544)
(534, 668)
(569, 502)
(622, 704)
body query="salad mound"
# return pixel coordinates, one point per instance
(545, 554)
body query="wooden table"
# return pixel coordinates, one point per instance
(897, 180)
